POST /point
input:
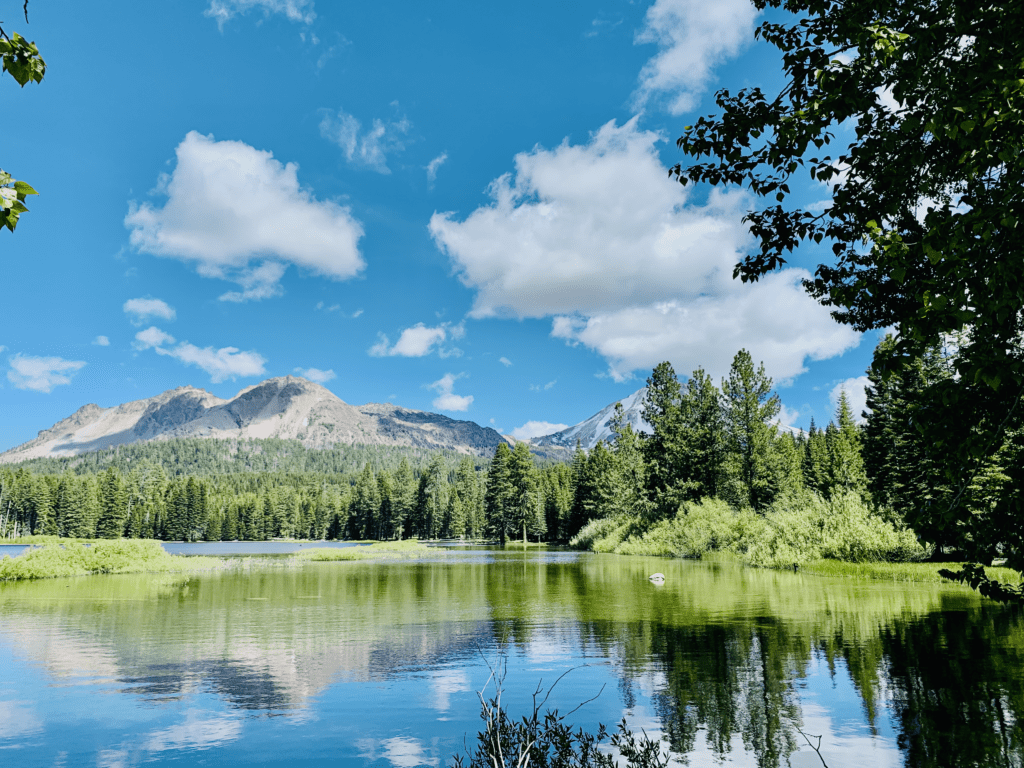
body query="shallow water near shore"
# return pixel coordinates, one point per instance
(379, 663)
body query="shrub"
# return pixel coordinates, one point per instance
(601, 535)
(795, 529)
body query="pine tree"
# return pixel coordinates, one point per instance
(403, 499)
(630, 470)
(845, 463)
(557, 489)
(498, 498)
(595, 491)
(432, 499)
(749, 405)
(365, 507)
(113, 505)
(662, 448)
(785, 467)
(702, 437)
(525, 513)
(45, 518)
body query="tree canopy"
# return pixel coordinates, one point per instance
(21, 60)
(912, 112)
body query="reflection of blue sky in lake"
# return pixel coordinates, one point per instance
(385, 668)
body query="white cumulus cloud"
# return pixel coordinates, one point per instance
(222, 364)
(693, 37)
(99, 341)
(597, 237)
(368, 148)
(41, 374)
(140, 310)
(151, 337)
(238, 214)
(446, 400)
(505, 361)
(532, 429)
(856, 396)
(294, 10)
(315, 374)
(418, 341)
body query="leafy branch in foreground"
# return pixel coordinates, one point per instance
(910, 112)
(548, 741)
(21, 60)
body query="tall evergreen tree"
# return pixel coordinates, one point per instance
(702, 434)
(432, 500)
(113, 505)
(365, 507)
(630, 470)
(750, 405)
(662, 411)
(526, 515)
(498, 499)
(846, 465)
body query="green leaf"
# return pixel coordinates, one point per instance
(24, 188)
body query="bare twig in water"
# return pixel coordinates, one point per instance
(817, 749)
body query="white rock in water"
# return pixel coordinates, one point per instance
(656, 577)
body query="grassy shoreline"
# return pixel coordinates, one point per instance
(77, 558)
(55, 558)
(84, 557)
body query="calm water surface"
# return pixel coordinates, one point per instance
(357, 663)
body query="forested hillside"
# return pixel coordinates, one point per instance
(714, 473)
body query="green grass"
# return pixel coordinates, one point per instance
(380, 550)
(923, 572)
(105, 556)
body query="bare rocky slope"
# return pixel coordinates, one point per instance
(287, 408)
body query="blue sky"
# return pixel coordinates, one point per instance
(452, 206)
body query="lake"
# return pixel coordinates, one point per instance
(362, 663)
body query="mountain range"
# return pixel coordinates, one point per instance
(295, 408)
(288, 407)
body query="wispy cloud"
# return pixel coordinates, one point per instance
(543, 387)
(694, 37)
(370, 148)
(432, 167)
(42, 374)
(294, 10)
(99, 341)
(532, 429)
(505, 361)
(315, 374)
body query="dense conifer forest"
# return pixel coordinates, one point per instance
(716, 472)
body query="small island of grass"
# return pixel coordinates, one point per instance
(113, 556)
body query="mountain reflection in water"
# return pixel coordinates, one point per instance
(379, 663)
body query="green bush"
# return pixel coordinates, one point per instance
(116, 556)
(697, 528)
(798, 529)
(602, 530)
(806, 527)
